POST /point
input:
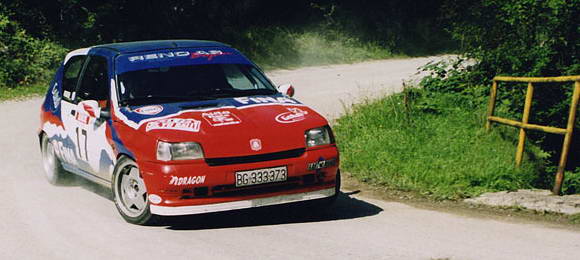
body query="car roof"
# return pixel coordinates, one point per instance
(142, 46)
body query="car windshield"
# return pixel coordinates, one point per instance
(191, 82)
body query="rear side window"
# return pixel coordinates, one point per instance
(72, 71)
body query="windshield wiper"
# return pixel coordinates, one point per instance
(220, 93)
(198, 96)
(161, 99)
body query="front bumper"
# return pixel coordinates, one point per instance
(177, 185)
(243, 204)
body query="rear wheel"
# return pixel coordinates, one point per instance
(130, 193)
(54, 172)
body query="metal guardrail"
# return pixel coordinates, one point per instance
(524, 125)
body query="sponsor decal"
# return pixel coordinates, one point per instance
(294, 114)
(55, 96)
(209, 55)
(83, 118)
(159, 56)
(221, 118)
(65, 153)
(149, 110)
(89, 110)
(256, 144)
(68, 94)
(265, 100)
(321, 164)
(182, 124)
(179, 181)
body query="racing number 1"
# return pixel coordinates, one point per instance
(83, 139)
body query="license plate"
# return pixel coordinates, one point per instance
(261, 176)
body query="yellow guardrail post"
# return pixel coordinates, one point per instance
(525, 119)
(524, 125)
(567, 139)
(491, 107)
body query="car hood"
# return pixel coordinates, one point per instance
(227, 127)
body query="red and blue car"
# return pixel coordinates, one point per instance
(183, 127)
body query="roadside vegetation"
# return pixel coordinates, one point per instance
(279, 47)
(433, 145)
(36, 35)
(431, 138)
(26, 61)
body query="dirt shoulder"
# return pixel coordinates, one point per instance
(507, 214)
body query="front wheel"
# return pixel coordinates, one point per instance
(325, 203)
(130, 193)
(330, 200)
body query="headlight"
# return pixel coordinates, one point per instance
(178, 151)
(318, 136)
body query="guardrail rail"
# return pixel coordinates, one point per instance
(523, 125)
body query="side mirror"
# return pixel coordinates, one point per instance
(286, 89)
(105, 114)
(91, 108)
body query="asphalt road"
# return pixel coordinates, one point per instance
(79, 220)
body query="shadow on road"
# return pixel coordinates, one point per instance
(345, 207)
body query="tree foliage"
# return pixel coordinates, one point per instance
(264, 29)
(515, 38)
(520, 38)
(24, 58)
(89, 22)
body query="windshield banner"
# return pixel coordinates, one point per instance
(178, 57)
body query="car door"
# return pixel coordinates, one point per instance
(70, 78)
(82, 119)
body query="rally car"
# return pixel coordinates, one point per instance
(182, 127)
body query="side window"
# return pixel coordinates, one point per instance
(94, 83)
(259, 78)
(240, 77)
(236, 78)
(72, 70)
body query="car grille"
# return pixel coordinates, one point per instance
(255, 158)
(232, 191)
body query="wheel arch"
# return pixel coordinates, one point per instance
(41, 133)
(121, 155)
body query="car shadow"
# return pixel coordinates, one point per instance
(345, 207)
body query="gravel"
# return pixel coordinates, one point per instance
(539, 200)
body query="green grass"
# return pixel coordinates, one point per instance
(23, 91)
(433, 146)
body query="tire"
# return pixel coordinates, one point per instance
(325, 203)
(130, 193)
(53, 170)
(330, 200)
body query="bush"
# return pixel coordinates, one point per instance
(572, 182)
(24, 59)
(519, 38)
